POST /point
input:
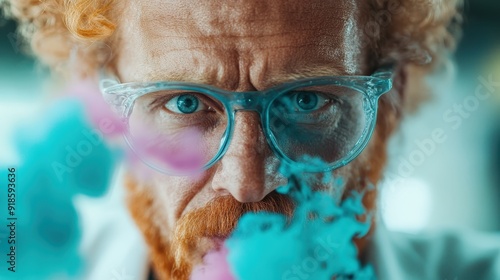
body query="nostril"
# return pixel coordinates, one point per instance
(248, 196)
(221, 191)
(241, 194)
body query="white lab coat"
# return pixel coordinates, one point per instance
(445, 256)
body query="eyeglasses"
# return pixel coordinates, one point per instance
(181, 128)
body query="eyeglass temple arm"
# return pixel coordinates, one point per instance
(114, 98)
(385, 72)
(385, 76)
(107, 80)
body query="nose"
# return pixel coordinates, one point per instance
(242, 170)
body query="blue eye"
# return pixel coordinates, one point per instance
(185, 104)
(308, 101)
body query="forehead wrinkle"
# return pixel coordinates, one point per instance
(263, 17)
(239, 18)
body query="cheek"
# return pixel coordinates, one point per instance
(174, 195)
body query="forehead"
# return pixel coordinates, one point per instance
(245, 18)
(227, 42)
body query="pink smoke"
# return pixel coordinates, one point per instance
(214, 267)
(183, 151)
(98, 111)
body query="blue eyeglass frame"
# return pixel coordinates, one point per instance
(121, 97)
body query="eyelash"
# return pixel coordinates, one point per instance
(159, 102)
(330, 100)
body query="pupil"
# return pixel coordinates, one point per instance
(187, 103)
(307, 101)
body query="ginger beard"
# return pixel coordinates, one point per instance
(198, 231)
(174, 252)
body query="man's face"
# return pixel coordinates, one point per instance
(237, 46)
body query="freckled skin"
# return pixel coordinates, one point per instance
(239, 46)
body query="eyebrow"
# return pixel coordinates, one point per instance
(177, 76)
(275, 79)
(308, 72)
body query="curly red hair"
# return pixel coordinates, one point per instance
(53, 28)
